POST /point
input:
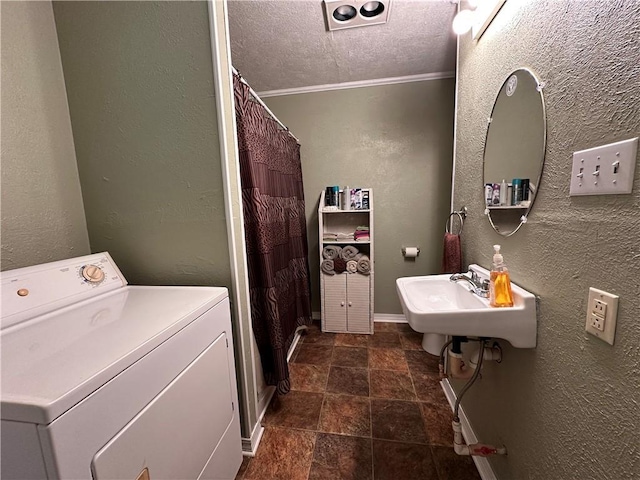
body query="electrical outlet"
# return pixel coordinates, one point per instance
(598, 307)
(605, 170)
(597, 322)
(602, 312)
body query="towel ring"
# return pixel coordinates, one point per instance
(461, 216)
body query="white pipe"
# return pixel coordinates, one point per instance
(493, 354)
(457, 367)
(475, 449)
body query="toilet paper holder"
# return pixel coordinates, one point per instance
(410, 252)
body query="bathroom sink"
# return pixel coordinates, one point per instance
(434, 304)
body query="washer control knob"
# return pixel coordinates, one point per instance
(92, 273)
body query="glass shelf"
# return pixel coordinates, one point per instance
(507, 207)
(355, 210)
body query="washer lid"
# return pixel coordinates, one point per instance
(52, 362)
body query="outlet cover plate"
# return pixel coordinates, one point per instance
(605, 170)
(602, 313)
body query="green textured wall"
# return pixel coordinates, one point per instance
(140, 86)
(568, 408)
(397, 139)
(42, 213)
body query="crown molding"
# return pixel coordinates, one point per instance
(359, 84)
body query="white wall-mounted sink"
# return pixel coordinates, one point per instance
(434, 304)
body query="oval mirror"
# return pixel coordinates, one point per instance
(514, 152)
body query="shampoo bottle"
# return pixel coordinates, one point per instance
(500, 285)
(503, 192)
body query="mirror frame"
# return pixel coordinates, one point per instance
(539, 87)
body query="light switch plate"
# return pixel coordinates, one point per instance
(602, 313)
(605, 170)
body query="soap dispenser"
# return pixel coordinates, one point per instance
(500, 284)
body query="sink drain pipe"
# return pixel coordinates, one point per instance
(476, 449)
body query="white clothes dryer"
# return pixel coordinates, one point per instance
(109, 381)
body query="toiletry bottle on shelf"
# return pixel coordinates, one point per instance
(503, 192)
(500, 284)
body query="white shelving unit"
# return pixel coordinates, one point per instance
(347, 298)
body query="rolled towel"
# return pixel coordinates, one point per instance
(327, 267)
(352, 266)
(364, 265)
(331, 252)
(349, 252)
(339, 265)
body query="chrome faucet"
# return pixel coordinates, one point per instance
(478, 286)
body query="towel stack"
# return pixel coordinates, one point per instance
(337, 236)
(361, 233)
(338, 260)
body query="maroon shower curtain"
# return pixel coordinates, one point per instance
(276, 233)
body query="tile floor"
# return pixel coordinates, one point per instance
(361, 407)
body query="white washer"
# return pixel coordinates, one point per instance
(110, 381)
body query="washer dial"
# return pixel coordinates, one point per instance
(92, 273)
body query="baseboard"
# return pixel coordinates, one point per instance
(250, 445)
(389, 317)
(377, 317)
(293, 346)
(482, 463)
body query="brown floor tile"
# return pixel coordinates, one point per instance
(411, 341)
(351, 381)
(437, 421)
(390, 384)
(341, 458)
(350, 357)
(308, 378)
(387, 359)
(385, 340)
(404, 328)
(427, 387)
(315, 336)
(421, 361)
(452, 466)
(384, 327)
(283, 454)
(346, 414)
(351, 340)
(403, 461)
(397, 420)
(314, 354)
(295, 410)
(243, 468)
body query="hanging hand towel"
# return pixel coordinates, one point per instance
(452, 254)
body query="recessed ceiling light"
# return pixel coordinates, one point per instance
(371, 9)
(344, 13)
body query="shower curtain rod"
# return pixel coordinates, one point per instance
(259, 100)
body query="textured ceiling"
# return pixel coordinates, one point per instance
(279, 44)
